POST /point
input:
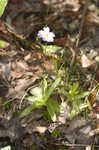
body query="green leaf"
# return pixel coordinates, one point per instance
(75, 86)
(46, 115)
(77, 109)
(30, 98)
(33, 99)
(55, 133)
(44, 86)
(36, 101)
(51, 48)
(74, 112)
(37, 92)
(27, 111)
(3, 44)
(74, 90)
(52, 88)
(83, 106)
(51, 110)
(82, 95)
(39, 99)
(39, 103)
(55, 105)
(3, 4)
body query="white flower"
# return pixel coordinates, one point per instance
(46, 35)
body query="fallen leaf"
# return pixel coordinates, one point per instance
(41, 129)
(86, 62)
(61, 41)
(20, 87)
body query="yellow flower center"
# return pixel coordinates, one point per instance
(46, 35)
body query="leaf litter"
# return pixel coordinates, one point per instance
(26, 64)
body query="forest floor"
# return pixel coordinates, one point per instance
(67, 70)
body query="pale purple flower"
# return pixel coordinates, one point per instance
(46, 35)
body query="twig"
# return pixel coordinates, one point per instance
(71, 145)
(73, 57)
(24, 96)
(78, 39)
(74, 145)
(82, 23)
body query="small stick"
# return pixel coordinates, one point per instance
(82, 23)
(78, 39)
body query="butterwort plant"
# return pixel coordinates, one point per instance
(46, 35)
(42, 96)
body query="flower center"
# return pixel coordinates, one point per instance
(46, 35)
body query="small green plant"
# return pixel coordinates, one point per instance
(75, 96)
(3, 4)
(41, 96)
(55, 133)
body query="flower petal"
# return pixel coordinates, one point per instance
(46, 29)
(46, 35)
(52, 34)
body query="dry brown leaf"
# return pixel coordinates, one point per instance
(41, 129)
(19, 69)
(20, 87)
(86, 62)
(49, 66)
(27, 57)
(61, 41)
(20, 66)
